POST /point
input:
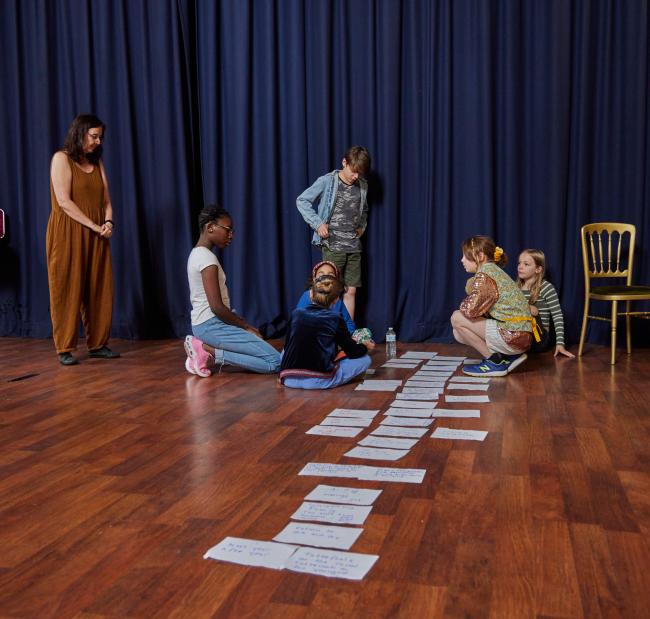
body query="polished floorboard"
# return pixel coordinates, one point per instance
(117, 476)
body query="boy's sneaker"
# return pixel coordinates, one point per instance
(198, 357)
(494, 366)
(515, 360)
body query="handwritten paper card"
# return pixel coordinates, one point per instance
(398, 403)
(343, 494)
(378, 385)
(470, 379)
(251, 552)
(347, 432)
(325, 469)
(359, 422)
(331, 563)
(414, 354)
(328, 512)
(353, 412)
(472, 361)
(467, 398)
(397, 431)
(442, 358)
(327, 536)
(450, 412)
(406, 476)
(408, 412)
(426, 395)
(468, 386)
(385, 441)
(375, 453)
(462, 435)
(406, 422)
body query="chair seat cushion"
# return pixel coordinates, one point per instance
(640, 291)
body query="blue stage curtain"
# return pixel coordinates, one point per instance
(522, 120)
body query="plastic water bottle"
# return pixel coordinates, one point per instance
(391, 343)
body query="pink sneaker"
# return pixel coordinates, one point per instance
(198, 358)
(189, 366)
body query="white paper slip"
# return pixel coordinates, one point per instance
(415, 354)
(251, 552)
(325, 536)
(370, 371)
(413, 362)
(450, 412)
(472, 361)
(433, 395)
(358, 422)
(378, 385)
(443, 358)
(331, 563)
(389, 442)
(375, 453)
(325, 469)
(435, 376)
(424, 384)
(353, 412)
(398, 431)
(428, 390)
(467, 398)
(468, 386)
(403, 366)
(462, 435)
(424, 381)
(342, 494)
(399, 403)
(406, 421)
(382, 473)
(470, 379)
(436, 363)
(340, 431)
(408, 412)
(328, 512)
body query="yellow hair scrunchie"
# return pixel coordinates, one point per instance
(498, 252)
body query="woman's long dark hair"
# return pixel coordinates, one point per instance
(74, 140)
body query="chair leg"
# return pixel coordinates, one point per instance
(583, 331)
(614, 316)
(628, 324)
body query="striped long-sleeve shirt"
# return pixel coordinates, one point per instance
(548, 305)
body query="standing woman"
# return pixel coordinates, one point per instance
(78, 251)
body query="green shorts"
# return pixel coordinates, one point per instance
(349, 266)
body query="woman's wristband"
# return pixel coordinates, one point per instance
(109, 221)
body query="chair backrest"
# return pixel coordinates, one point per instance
(2, 223)
(606, 252)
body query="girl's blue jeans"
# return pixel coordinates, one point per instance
(236, 346)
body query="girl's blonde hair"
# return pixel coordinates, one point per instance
(474, 245)
(325, 290)
(540, 261)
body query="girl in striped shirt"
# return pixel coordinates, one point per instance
(541, 295)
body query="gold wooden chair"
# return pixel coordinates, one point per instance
(607, 253)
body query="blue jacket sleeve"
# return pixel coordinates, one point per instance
(307, 202)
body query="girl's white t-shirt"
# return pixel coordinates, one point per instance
(199, 259)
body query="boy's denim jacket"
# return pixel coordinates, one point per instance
(323, 192)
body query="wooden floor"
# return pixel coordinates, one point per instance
(116, 477)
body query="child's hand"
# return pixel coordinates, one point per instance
(254, 331)
(323, 231)
(560, 350)
(359, 232)
(370, 345)
(535, 312)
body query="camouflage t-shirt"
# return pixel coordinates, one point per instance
(344, 221)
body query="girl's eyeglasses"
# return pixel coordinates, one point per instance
(228, 229)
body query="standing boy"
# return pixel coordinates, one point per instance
(336, 208)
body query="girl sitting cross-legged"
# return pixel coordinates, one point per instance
(314, 335)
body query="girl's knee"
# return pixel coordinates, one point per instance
(456, 319)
